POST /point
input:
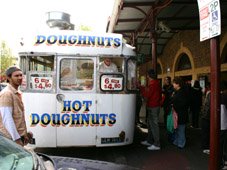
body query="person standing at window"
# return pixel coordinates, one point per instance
(153, 96)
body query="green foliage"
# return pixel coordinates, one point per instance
(85, 28)
(6, 59)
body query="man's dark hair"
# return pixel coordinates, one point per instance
(178, 80)
(168, 78)
(11, 69)
(152, 74)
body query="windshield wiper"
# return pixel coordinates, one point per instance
(38, 163)
(35, 160)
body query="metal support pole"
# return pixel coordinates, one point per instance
(154, 52)
(214, 161)
(153, 41)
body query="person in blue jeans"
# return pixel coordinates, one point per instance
(152, 93)
(180, 104)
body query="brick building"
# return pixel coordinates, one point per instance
(184, 55)
(171, 28)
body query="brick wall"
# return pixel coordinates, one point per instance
(189, 40)
(199, 54)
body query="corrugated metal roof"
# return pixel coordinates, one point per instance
(133, 19)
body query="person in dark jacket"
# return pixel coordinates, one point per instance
(180, 105)
(223, 123)
(167, 91)
(205, 124)
(196, 103)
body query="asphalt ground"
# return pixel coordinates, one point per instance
(171, 157)
(136, 155)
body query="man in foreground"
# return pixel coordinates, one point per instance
(12, 118)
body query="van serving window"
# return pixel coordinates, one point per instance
(40, 73)
(76, 74)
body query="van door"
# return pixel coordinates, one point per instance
(39, 96)
(76, 100)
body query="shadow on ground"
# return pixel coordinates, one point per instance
(136, 155)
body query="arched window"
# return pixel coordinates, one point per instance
(183, 63)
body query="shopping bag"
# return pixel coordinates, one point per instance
(175, 118)
(170, 123)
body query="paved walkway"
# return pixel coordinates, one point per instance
(137, 155)
(170, 157)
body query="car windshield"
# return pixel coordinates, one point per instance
(13, 156)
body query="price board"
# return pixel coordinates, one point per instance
(42, 83)
(210, 19)
(109, 83)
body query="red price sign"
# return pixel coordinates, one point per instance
(111, 83)
(42, 83)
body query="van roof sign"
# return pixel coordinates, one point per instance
(74, 42)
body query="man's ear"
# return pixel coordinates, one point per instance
(7, 79)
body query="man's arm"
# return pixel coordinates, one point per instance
(7, 120)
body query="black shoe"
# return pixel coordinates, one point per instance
(139, 123)
(143, 126)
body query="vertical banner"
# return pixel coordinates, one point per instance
(210, 18)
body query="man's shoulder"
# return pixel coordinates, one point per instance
(155, 82)
(6, 92)
(101, 65)
(6, 98)
(113, 64)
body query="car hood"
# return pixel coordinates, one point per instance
(68, 163)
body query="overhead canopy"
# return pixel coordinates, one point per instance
(134, 19)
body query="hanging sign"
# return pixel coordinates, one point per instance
(210, 18)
